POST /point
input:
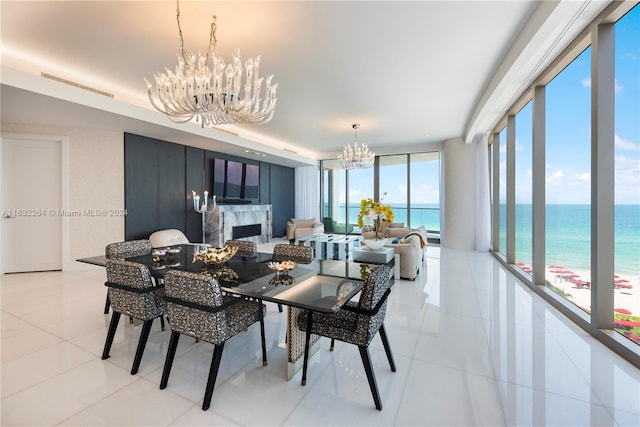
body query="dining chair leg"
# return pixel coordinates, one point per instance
(115, 318)
(262, 337)
(387, 347)
(213, 374)
(107, 304)
(162, 323)
(333, 343)
(142, 343)
(280, 307)
(371, 377)
(168, 361)
(306, 348)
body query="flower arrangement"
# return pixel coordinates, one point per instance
(372, 214)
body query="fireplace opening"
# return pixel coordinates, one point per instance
(240, 231)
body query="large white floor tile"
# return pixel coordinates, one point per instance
(19, 374)
(473, 346)
(139, 403)
(62, 396)
(439, 396)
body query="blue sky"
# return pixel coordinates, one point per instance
(568, 155)
(568, 121)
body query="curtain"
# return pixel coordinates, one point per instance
(307, 192)
(483, 202)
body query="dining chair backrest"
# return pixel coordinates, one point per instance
(199, 296)
(245, 247)
(297, 253)
(373, 299)
(168, 237)
(132, 291)
(126, 249)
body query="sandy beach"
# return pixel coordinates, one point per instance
(626, 294)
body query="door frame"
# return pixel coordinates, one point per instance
(64, 187)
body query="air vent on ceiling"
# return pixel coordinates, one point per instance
(74, 84)
(290, 151)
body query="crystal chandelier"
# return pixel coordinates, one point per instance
(213, 95)
(358, 156)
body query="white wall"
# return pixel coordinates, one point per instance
(95, 178)
(459, 166)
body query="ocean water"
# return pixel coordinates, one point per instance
(568, 236)
(421, 214)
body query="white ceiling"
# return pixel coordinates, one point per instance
(412, 73)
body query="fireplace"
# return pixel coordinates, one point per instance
(247, 222)
(240, 231)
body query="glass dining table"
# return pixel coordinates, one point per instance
(323, 285)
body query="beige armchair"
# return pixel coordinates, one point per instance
(411, 245)
(297, 228)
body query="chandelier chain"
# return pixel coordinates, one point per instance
(212, 35)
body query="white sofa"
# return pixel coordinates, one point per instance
(411, 245)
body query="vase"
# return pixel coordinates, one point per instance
(374, 244)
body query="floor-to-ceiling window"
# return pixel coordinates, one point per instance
(334, 189)
(326, 191)
(523, 188)
(360, 187)
(424, 190)
(587, 148)
(393, 185)
(410, 183)
(568, 181)
(627, 177)
(502, 191)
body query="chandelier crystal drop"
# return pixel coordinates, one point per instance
(213, 95)
(357, 157)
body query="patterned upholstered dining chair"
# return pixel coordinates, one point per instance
(122, 250)
(245, 247)
(355, 323)
(297, 253)
(132, 292)
(197, 307)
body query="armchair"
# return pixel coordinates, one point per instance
(197, 307)
(132, 292)
(297, 228)
(331, 226)
(355, 323)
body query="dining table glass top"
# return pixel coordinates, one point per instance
(324, 285)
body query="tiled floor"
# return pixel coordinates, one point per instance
(472, 347)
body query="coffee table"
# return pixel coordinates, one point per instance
(329, 246)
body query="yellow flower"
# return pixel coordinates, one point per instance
(367, 205)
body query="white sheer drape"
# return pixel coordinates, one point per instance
(483, 202)
(307, 192)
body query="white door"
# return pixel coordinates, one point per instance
(31, 204)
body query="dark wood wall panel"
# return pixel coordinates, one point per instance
(141, 186)
(282, 195)
(265, 183)
(171, 186)
(195, 181)
(159, 178)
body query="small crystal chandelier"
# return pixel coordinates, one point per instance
(213, 95)
(358, 156)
